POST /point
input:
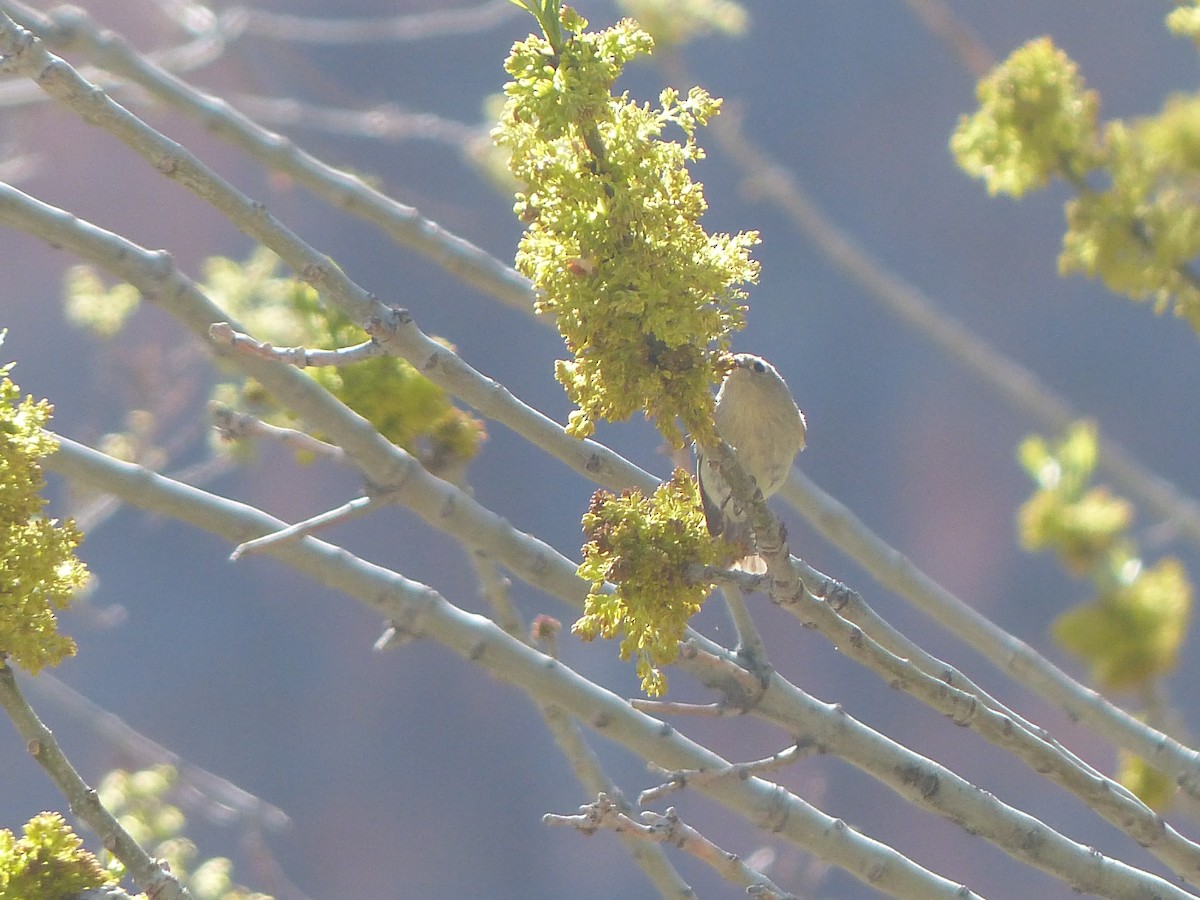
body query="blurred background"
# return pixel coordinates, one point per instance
(411, 773)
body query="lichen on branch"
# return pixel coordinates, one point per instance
(644, 298)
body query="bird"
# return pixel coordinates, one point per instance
(756, 415)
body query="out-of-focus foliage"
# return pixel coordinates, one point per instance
(405, 406)
(1130, 633)
(1135, 220)
(675, 22)
(137, 800)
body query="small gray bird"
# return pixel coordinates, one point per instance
(755, 414)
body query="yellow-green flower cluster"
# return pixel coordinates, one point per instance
(1131, 632)
(644, 545)
(1140, 235)
(49, 861)
(405, 406)
(1034, 120)
(1135, 222)
(1081, 524)
(38, 569)
(643, 297)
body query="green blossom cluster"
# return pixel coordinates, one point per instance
(405, 406)
(137, 800)
(644, 545)
(1140, 235)
(643, 297)
(38, 568)
(48, 861)
(1135, 220)
(1132, 630)
(1034, 120)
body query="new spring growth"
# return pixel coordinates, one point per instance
(1135, 220)
(1132, 630)
(48, 861)
(1034, 120)
(644, 545)
(38, 568)
(644, 298)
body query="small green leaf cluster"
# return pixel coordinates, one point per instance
(1135, 222)
(644, 545)
(136, 799)
(38, 568)
(675, 22)
(613, 242)
(1131, 632)
(49, 861)
(1035, 120)
(405, 406)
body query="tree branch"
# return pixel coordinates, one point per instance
(149, 874)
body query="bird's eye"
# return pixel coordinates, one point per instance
(759, 367)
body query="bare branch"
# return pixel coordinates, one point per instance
(403, 224)
(420, 611)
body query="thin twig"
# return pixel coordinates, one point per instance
(351, 509)
(234, 425)
(605, 814)
(583, 761)
(300, 357)
(385, 122)
(678, 780)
